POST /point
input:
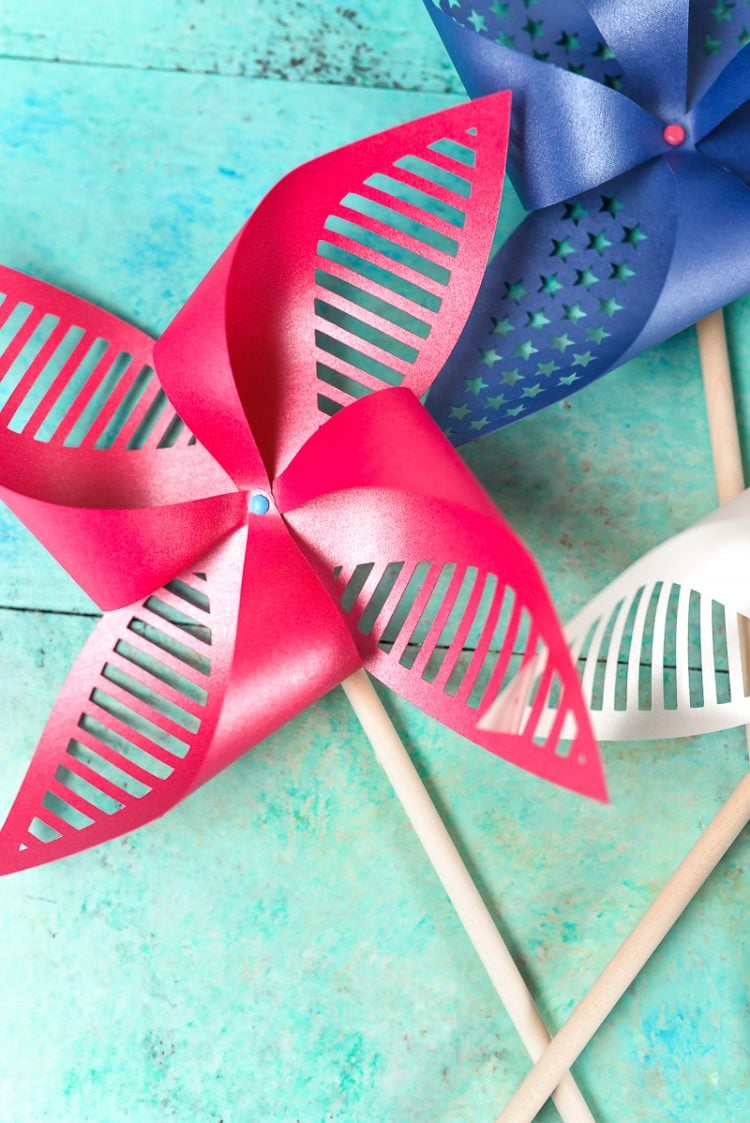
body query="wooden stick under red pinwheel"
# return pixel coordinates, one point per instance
(256, 543)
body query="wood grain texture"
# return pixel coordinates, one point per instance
(277, 948)
(388, 43)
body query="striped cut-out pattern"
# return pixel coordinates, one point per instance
(384, 264)
(135, 732)
(469, 635)
(660, 650)
(74, 376)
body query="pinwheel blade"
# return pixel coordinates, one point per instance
(134, 722)
(394, 231)
(442, 600)
(560, 304)
(659, 650)
(93, 458)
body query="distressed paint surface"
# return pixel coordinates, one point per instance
(277, 948)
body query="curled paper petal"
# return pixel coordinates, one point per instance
(84, 421)
(132, 726)
(637, 32)
(729, 143)
(598, 135)
(659, 649)
(718, 32)
(727, 95)
(446, 606)
(353, 274)
(702, 187)
(560, 303)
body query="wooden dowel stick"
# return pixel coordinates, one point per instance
(720, 407)
(630, 957)
(456, 880)
(723, 830)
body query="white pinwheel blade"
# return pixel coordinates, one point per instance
(659, 650)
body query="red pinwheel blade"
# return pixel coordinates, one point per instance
(134, 722)
(92, 451)
(394, 231)
(444, 603)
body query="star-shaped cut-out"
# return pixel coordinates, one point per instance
(562, 248)
(569, 42)
(577, 67)
(722, 11)
(537, 319)
(511, 377)
(550, 285)
(597, 335)
(481, 423)
(562, 342)
(477, 20)
(515, 411)
(496, 402)
(586, 277)
(611, 205)
(531, 391)
(476, 385)
(547, 368)
(526, 350)
(501, 327)
(506, 40)
(582, 360)
(574, 212)
(514, 291)
(633, 235)
(459, 412)
(614, 81)
(574, 313)
(599, 242)
(609, 307)
(603, 52)
(568, 379)
(533, 28)
(541, 56)
(489, 357)
(499, 9)
(621, 272)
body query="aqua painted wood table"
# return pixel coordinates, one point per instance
(277, 949)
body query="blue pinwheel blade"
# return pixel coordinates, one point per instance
(561, 303)
(719, 29)
(557, 31)
(568, 133)
(649, 40)
(712, 239)
(729, 144)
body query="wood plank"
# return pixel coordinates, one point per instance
(388, 43)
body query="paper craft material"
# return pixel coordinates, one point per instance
(629, 148)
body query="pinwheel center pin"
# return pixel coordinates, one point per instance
(674, 134)
(259, 503)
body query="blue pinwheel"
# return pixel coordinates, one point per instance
(630, 149)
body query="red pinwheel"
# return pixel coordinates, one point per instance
(250, 557)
